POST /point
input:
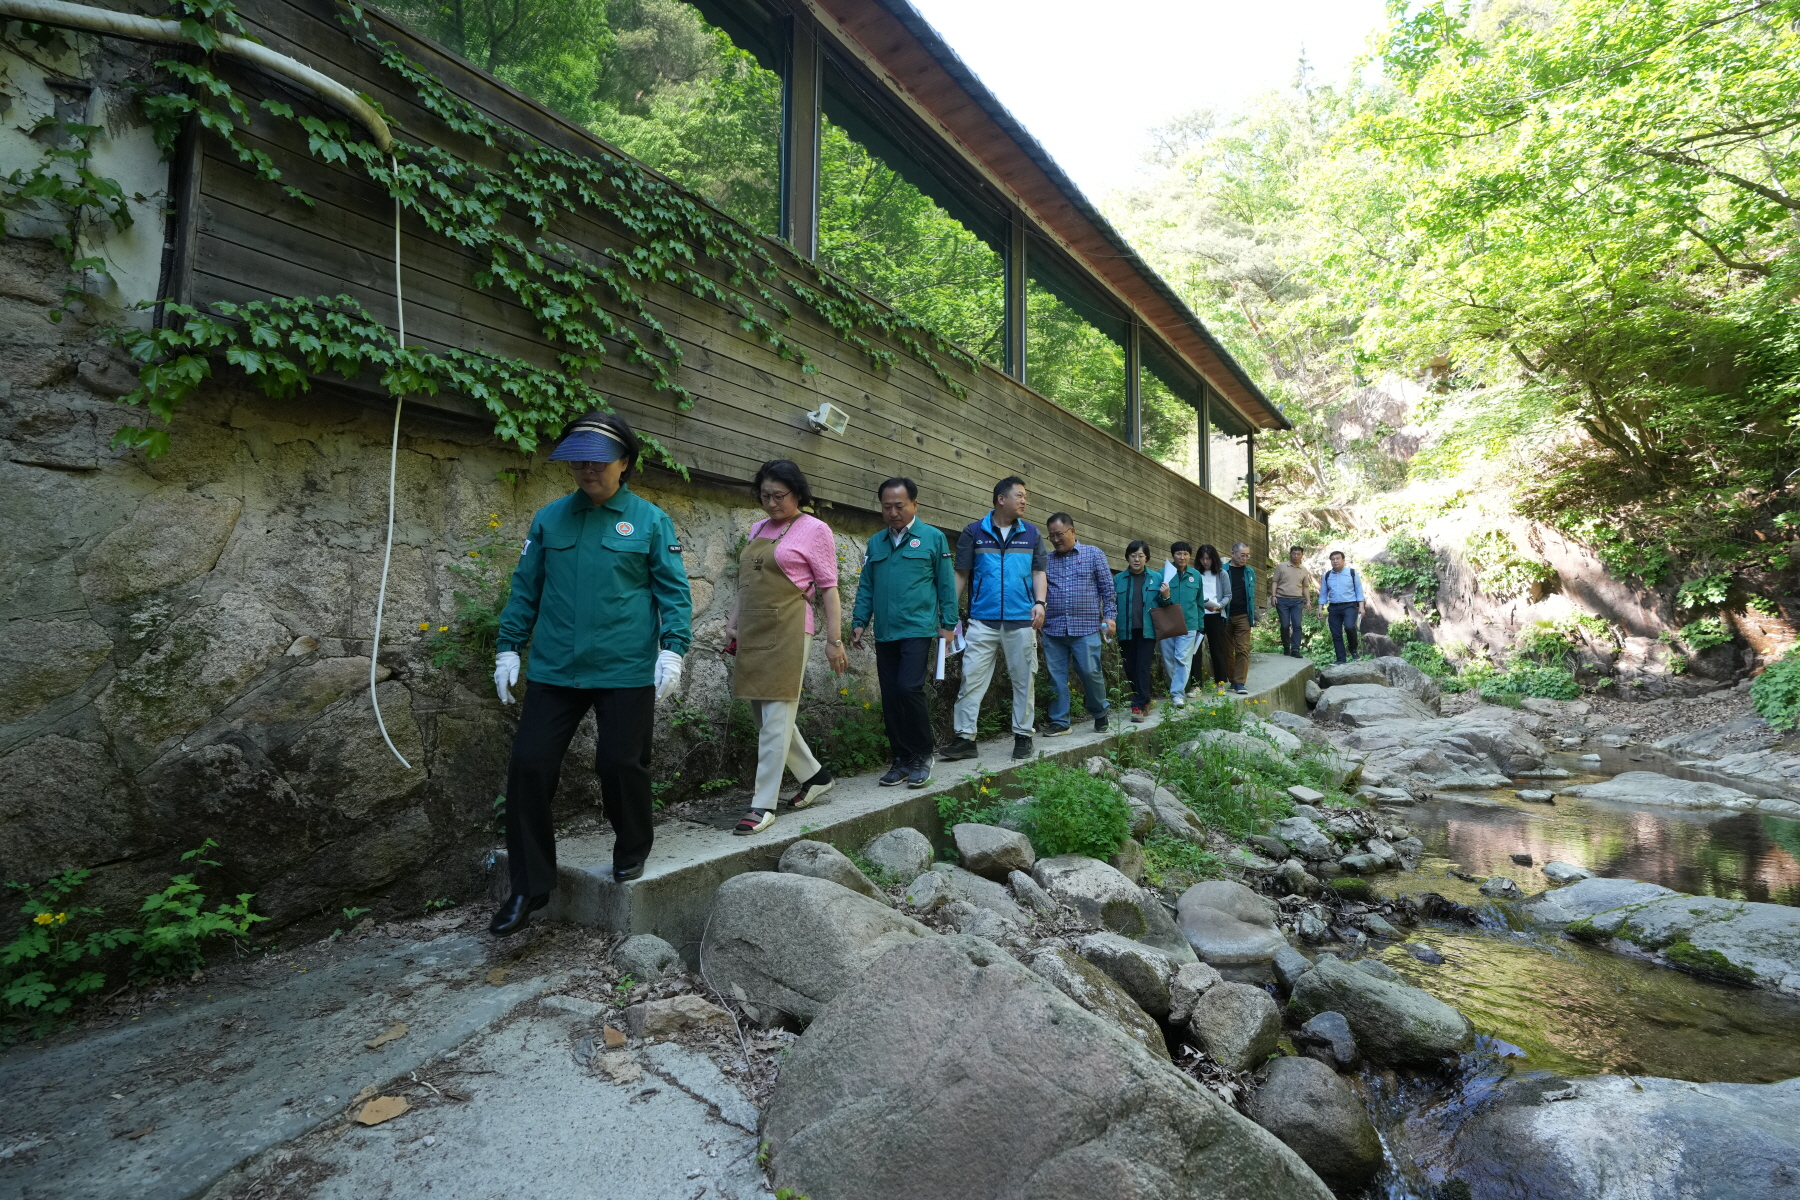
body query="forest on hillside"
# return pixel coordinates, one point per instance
(1533, 260)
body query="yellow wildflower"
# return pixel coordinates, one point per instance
(493, 524)
(424, 624)
(443, 629)
(43, 918)
(61, 917)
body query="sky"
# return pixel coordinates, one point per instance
(1089, 81)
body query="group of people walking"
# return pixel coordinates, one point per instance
(601, 595)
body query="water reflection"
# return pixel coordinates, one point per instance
(1740, 856)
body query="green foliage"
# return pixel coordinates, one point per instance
(1708, 591)
(1709, 963)
(1704, 634)
(40, 969)
(1072, 812)
(1520, 680)
(858, 740)
(976, 802)
(1550, 641)
(174, 922)
(1352, 888)
(1170, 861)
(1776, 692)
(1410, 566)
(63, 178)
(879, 876)
(1503, 571)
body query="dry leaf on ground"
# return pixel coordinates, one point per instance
(382, 1108)
(620, 1069)
(392, 1033)
(615, 1038)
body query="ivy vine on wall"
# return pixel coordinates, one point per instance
(505, 209)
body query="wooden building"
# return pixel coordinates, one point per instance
(874, 66)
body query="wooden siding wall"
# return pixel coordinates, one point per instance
(249, 242)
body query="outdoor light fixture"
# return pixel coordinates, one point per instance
(828, 417)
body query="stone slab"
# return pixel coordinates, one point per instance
(689, 862)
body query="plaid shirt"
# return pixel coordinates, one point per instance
(1081, 592)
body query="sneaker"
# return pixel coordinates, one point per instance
(812, 789)
(1240, 689)
(896, 774)
(1056, 731)
(958, 749)
(1137, 715)
(920, 775)
(1178, 701)
(755, 821)
(1100, 723)
(1021, 747)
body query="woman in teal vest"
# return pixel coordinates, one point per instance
(1138, 593)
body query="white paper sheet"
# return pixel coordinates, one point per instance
(1169, 571)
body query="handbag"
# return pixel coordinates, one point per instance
(1168, 621)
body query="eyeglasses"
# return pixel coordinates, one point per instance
(773, 497)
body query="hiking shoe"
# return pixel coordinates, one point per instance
(1137, 715)
(920, 775)
(1021, 747)
(1100, 723)
(1240, 689)
(812, 789)
(958, 749)
(755, 821)
(1179, 701)
(1056, 731)
(896, 774)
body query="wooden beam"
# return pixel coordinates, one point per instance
(1205, 471)
(1134, 390)
(800, 139)
(1016, 309)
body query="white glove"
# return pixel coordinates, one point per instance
(668, 672)
(506, 674)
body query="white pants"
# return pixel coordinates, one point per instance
(779, 744)
(985, 643)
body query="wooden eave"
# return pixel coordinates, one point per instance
(895, 42)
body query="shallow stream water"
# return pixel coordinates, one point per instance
(1579, 1010)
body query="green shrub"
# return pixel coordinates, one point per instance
(1549, 683)
(1708, 591)
(858, 740)
(1170, 861)
(1411, 565)
(1501, 570)
(1072, 812)
(40, 973)
(485, 573)
(1704, 634)
(1776, 692)
(175, 922)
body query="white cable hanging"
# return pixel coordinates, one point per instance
(387, 552)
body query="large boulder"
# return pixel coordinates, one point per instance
(1304, 837)
(1653, 788)
(1301, 727)
(1394, 1024)
(1209, 741)
(788, 944)
(992, 852)
(1228, 925)
(1309, 1106)
(950, 1071)
(1090, 987)
(1175, 818)
(1615, 1137)
(1236, 1024)
(1104, 897)
(1274, 734)
(947, 883)
(1403, 676)
(1348, 673)
(646, 956)
(902, 853)
(1360, 704)
(823, 861)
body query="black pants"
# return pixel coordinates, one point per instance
(1218, 645)
(621, 760)
(1341, 617)
(901, 666)
(1138, 653)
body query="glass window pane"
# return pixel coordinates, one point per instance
(1171, 428)
(1230, 466)
(893, 241)
(1071, 361)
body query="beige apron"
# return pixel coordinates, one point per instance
(771, 656)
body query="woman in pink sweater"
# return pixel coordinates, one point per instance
(789, 562)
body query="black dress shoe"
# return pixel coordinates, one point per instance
(515, 915)
(619, 874)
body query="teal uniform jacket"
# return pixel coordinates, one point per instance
(1185, 590)
(1152, 598)
(909, 590)
(599, 589)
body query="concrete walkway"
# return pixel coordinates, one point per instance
(691, 860)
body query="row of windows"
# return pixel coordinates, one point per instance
(654, 78)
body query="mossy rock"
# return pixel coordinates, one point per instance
(1352, 888)
(1709, 963)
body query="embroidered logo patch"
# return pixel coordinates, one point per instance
(914, 543)
(674, 547)
(625, 528)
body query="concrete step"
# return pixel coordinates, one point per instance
(690, 861)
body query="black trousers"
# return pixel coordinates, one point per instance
(621, 760)
(1218, 645)
(1137, 653)
(902, 666)
(1341, 618)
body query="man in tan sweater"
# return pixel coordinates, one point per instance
(1294, 584)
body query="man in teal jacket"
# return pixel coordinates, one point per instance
(601, 595)
(908, 587)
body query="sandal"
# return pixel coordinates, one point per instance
(755, 821)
